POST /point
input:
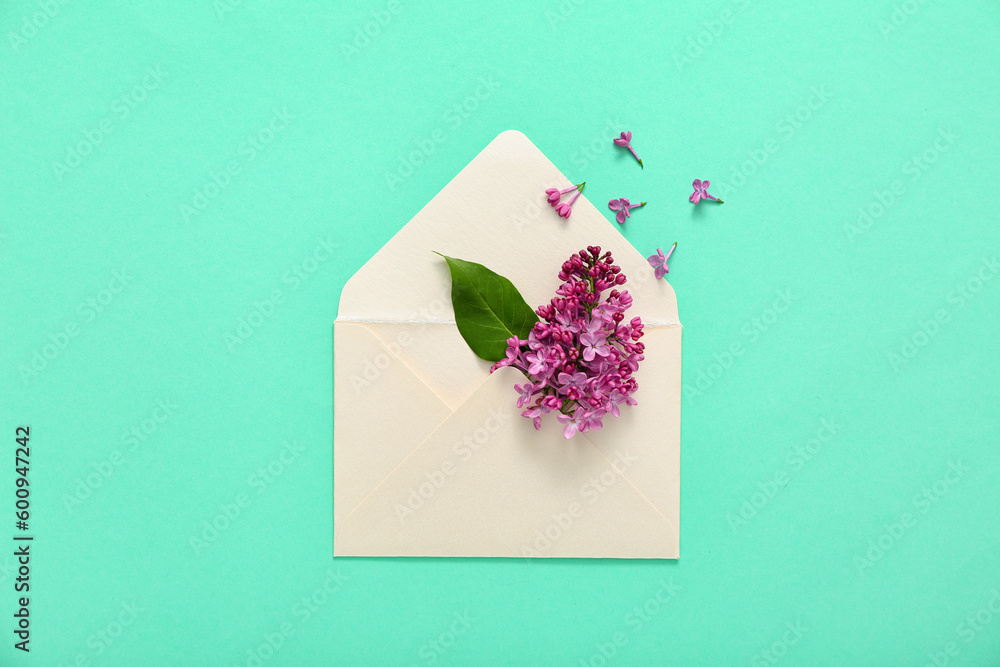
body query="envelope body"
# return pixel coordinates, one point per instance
(431, 456)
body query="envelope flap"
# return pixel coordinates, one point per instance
(494, 212)
(653, 427)
(372, 432)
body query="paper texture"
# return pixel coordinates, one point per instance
(431, 456)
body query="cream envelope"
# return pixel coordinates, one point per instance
(431, 458)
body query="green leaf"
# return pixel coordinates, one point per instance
(488, 309)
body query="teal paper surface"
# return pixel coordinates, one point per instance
(185, 188)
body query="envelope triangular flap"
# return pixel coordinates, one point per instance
(494, 212)
(652, 429)
(371, 437)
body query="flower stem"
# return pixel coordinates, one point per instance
(632, 151)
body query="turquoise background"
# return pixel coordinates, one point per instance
(187, 246)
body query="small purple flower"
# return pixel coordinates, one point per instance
(567, 322)
(569, 381)
(603, 314)
(538, 361)
(533, 342)
(573, 424)
(594, 341)
(513, 347)
(632, 361)
(618, 396)
(512, 354)
(535, 415)
(554, 194)
(623, 207)
(551, 402)
(625, 140)
(659, 261)
(566, 208)
(701, 192)
(591, 421)
(525, 392)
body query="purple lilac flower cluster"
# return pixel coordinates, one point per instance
(580, 358)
